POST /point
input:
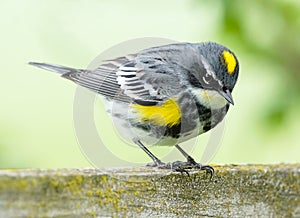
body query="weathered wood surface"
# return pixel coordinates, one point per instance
(234, 191)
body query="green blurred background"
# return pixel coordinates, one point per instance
(36, 106)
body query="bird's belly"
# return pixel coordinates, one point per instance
(130, 127)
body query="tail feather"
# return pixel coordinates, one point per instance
(55, 68)
(101, 80)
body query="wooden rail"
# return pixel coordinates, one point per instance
(234, 191)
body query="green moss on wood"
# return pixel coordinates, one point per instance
(243, 190)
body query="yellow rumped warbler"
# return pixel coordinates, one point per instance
(164, 95)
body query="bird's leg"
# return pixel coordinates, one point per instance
(177, 166)
(191, 163)
(157, 162)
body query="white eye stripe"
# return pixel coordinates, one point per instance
(205, 80)
(207, 67)
(209, 72)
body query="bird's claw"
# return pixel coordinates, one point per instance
(182, 167)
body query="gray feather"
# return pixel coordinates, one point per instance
(54, 68)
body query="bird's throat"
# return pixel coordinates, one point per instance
(209, 98)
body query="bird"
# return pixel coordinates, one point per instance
(163, 95)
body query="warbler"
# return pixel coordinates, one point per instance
(163, 95)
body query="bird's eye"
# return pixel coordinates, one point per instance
(207, 78)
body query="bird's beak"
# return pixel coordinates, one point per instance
(227, 95)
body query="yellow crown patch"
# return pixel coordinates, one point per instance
(230, 61)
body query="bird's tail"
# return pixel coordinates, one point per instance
(55, 68)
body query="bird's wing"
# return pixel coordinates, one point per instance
(149, 79)
(146, 78)
(103, 79)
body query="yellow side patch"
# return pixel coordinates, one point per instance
(230, 61)
(167, 114)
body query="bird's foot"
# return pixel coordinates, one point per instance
(182, 167)
(177, 166)
(195, 165)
